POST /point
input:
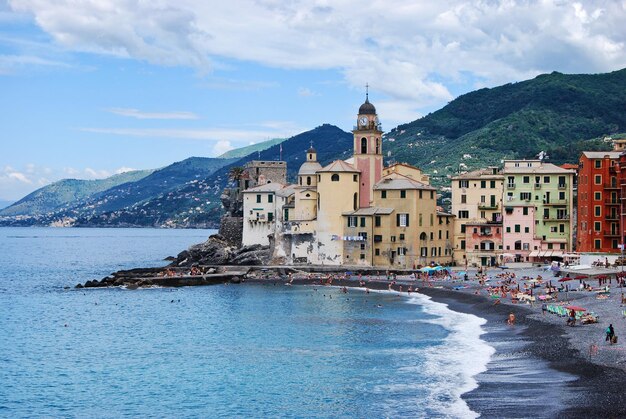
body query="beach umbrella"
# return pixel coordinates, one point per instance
(575, 308)
(581, 277)
(566, 278)
(602, 277)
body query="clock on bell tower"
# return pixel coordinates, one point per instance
(368, 153)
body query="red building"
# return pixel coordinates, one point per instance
(600, 181)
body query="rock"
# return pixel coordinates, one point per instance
(170, 259)
(79, 286)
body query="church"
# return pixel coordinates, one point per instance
(351, 212)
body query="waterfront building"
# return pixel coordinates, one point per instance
(600, 179)
(538, 207)
(353, 212)
(477, 205)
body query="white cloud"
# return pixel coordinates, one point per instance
(409, 51)
(96, 174)
(136, 113)
(306, 92)
(21, 177)
(123, 169)
(222, 147)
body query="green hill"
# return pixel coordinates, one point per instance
(68, 192)
(556, 113)
(245, 151)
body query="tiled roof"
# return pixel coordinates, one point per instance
(480, 173)
(602, 154)
(339, 166)
(268, 187)
(370, 211)
(397, 181)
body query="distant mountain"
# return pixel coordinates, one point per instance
(4, 204)
(246, 151)
(556, 113)
(68, 192)
(119, 196)
(197, 204)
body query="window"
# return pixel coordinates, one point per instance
(258, 199)
(525, 211)
(546, 179)
(383, 194)
(526, 229)
(433, 251)
(377, 252)
(393, 239)
(492, 184)
(355, 201)
(462, 244)
(377, 221)
(355, 178)
(270, 216)
(432, 220)
(517, 228)
(508, 229)
(598, 211)
(286, 214)
(463, 228)
(362, 246)
(463, 214)
(597, 196)
(363, 146)
(420, 219)
(525, 196)
(362, 221)
(362, 256)
(526, 179)
(402, 220)
(562, 196)
(597, 244)
(420, 193)
(352, 221)
(363, 235)
(432, 194)
(597, 226)
(463, 183)
(463, 199)
(308, 180)
(483, 184)
(334, 177)
(561, 228)
(439, 234)
(597, 179)
(401, 236)
(378, 238)
(403, 194)
(401, 251)
(598, 164)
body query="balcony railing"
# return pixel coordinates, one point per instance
(555, 202)
(557, 218)
(611, 201)
(485, 206)
(510, 186)
(612, 217)
(537, 185)
(611, 233)
(562, 186)
(611, 186)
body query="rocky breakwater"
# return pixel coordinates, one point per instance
(212, 262)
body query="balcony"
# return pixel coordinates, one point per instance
(555, 202)
(611, 201)
(612, 217)
(562, 186)
(510, 186)
(611, 186)
(557, 218)
(485, 206)
(611, 234)
(537, 186)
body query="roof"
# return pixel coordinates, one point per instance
(602, 154)
(444, 214)
(370, 211)
(569, 166)
(339, 166)
(541, 168)
(367, 108)
(286, 191)
(481, 174)
(311, 150)
(309, 168)
(398, 181)
(268, 187)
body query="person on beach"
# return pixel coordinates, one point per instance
(571, 320)
(544, 308)
(610, 333)
(511, 319)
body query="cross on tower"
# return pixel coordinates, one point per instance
(367, 91)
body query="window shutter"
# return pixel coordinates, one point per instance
(397, 220)
(407, 220)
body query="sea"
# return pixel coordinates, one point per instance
(242, 350)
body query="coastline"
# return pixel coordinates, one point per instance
(592, 389)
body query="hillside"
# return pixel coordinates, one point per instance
(197, 204)
(556, 113)
(68, 192)
(246, 151)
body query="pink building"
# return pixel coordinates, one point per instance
(483, 242)
(518, 225)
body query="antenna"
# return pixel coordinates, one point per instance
(367, 92)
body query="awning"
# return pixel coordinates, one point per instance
(557, 253)
(548, 253)
(534, 254)
(542, 254)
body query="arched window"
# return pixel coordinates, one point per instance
(308, 195)
(335, 177)
(310, 156)
(355, 200)
(423, 236)
(378, 146)
(300, 181)
(308, 180)
(363, 145)
(318, 201)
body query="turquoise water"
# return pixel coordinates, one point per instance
(219, 351)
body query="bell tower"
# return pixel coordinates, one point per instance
(368, 152)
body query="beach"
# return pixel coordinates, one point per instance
(594, 371)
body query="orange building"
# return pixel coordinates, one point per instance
(599, 204)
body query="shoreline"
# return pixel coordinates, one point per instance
(596, 390)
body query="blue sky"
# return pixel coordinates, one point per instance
(93, 88)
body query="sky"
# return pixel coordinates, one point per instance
(92, 88)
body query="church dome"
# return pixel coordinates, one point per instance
(367, 108)
(311, 150)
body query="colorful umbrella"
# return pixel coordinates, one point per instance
(576, 308)
(566, 278)
(581, 277)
